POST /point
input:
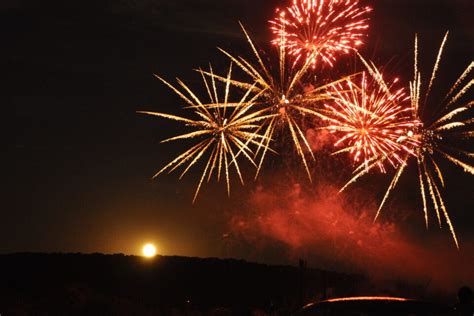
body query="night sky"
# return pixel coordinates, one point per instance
(79, 160)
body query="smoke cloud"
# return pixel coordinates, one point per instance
(336, 231)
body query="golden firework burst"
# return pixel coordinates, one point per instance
(284, 97)
(224, 130)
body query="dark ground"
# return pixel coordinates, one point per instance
(96, 284)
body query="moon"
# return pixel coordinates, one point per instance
(149, 250)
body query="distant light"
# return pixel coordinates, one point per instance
(149, 250)
(360, 298)
(368, 298)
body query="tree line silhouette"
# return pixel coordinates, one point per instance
(85, 284)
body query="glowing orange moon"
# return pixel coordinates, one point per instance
(149, 250)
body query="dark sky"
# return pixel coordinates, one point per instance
(79, 161)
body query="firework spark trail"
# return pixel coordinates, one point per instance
(435, 139)
(458, 82)
(392, 185)
(313, 30)
(431, 184)
(446, 215)
(422, 190)
(435, 69)
(228, 130)
(371, 120)
(282, 97)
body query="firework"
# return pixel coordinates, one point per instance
(223, 130)
(283, 97)
(436, 138)
(371, 119)
(314, 30)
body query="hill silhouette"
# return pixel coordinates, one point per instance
(79, 284)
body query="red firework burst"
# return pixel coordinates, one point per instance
(371, 120)
(320, 29)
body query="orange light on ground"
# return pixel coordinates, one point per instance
(369, 298)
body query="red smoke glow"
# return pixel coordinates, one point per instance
(333, 231)
(320, 139)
